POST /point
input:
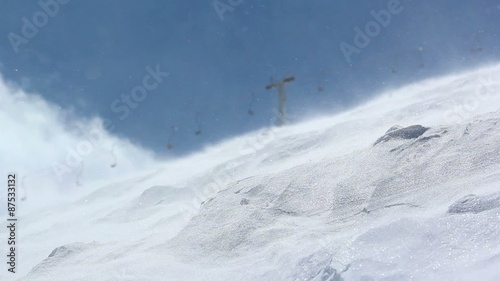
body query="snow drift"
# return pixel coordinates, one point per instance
(405, 187)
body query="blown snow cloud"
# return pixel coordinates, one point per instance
(54, 152)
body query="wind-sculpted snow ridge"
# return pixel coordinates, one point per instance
(389, 191)
(313, 201)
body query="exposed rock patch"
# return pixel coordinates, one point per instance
(397, 132)
(475, 204)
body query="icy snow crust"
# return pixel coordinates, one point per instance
(312, 201)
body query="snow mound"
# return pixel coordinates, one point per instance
(312, 201)
(152, 200)
(63, 254)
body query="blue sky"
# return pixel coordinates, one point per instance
(90, 53)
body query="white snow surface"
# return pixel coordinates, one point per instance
(309, 201)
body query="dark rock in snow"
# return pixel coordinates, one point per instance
(475, 204)
(428, 138)
(396, 132)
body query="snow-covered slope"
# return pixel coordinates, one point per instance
(346, 197)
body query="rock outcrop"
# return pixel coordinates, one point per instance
(397, 132)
